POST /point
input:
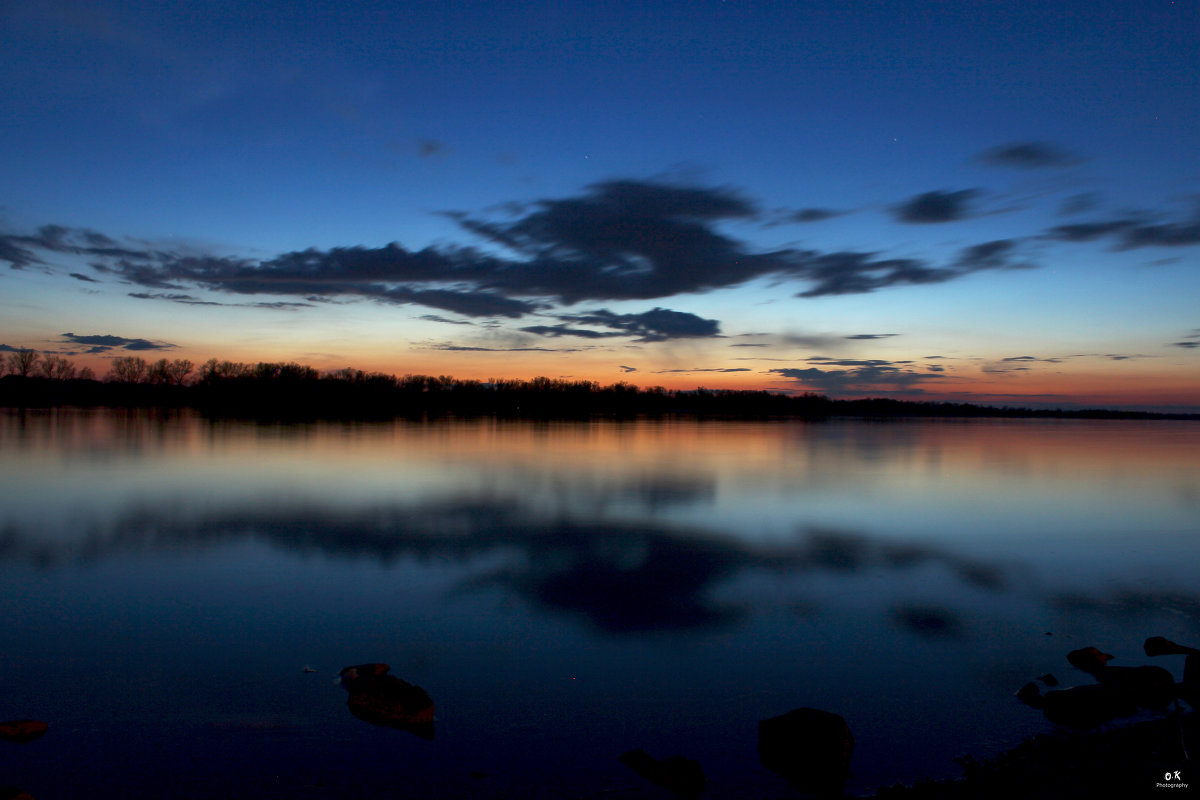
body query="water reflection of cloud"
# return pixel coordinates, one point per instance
(619, 577)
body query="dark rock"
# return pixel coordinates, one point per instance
(14, 793)
(388, 701)
(1149, 687)
(808, 747)
(1191, 670)
(1159, 646)
(1048, 679)
(1087, 706)
(22, 730)
(1031, 695)
(1088, 659)
(678, 775)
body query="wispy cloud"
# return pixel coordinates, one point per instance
(656, 325)
(103, 342)
(936, 206)
(1029, 155)
(860, 378)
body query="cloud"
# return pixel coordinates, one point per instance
(436, 318)
(4, 348)
(871, 336)
(80, 277)
(704, 369)
(102, 342)
(997, 254)
(1079, 203)
(618, 240)
(186, 299)
(1033, 358)
(427, 148)
(1191, 344)
(624, 368)
(656, 325)
(1132, 231)
(17, 257)
(936, 206)
(458, 348)
(627, 240)
(1028, 155)
(865, 378)
(17, 249)
(814, 214)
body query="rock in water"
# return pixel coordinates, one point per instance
(385, 700)
(679, 775)
(808, 747)
(1088, 659)
(22, 730)
(1161, 646)
(1087, 706)
(14, 793)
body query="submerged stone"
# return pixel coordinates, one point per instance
(1161, 646)
(1087, 706)
(388, 701)
(809, 748)
(22, 730)
(678, 775)
(1088, 659)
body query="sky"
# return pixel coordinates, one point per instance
(976, 202)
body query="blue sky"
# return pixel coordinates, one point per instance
(991, 202)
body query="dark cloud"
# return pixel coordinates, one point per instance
(459, 348)
(656, 325)
(850, 272)
(1079, 203)
(624, 368)
(81, 277)
(427, 148)
(1033, 358)
(186, 299)
(436, 318)
(936, 206)
(1132, 231)
(17, 249)
(997, 254)
(627, 240)
(1190, 344)
(704, 369)
(1028, 155)
(871, 336)
(814, 214)
(871, 378)
(102, 342)
(4, 348)
(619, 240)
(17, 257)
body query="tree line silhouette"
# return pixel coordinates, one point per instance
(292, 390)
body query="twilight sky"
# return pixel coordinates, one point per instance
(987, 202)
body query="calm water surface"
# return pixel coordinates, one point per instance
(565, 592)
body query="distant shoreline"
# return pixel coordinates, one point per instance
(282, 393)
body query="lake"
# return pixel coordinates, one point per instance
(179, 594)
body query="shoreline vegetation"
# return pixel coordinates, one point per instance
(291, 390)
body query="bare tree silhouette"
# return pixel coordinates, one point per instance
(23, 362)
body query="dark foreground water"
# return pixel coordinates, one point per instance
(565, 592)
